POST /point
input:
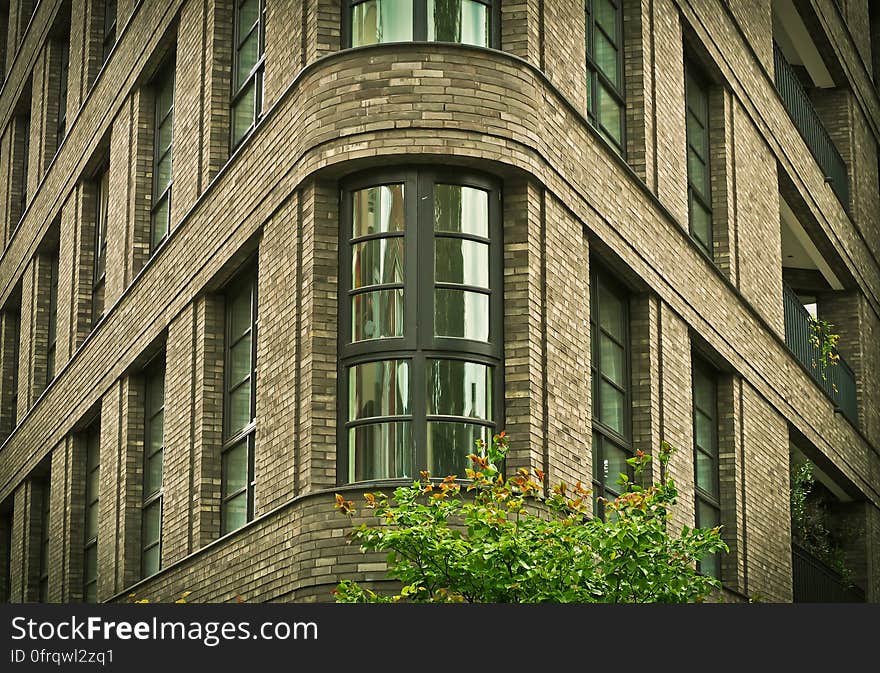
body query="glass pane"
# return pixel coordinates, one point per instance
(458, 388)
(449, 444)
(377, 210)
(463, 21)
(243, 114)
(698, 174)
(91, 521)
(606, 58)
(707, 515)
(163, 174)
(377, 315)
(377, 261)
(591, 75)
(152, 523)
(164, 103)
(458, 313)
(165, 135)
(239, 312)
(707, 474)
(239, 408)
(248, 56)
(460, 261)
(697, 100)
(240, 361)
(157, 391)
(710, 565)
(235, 468)
(606, 16)
(611, 406)
(153, 475)
(613, 465)
(379, 451)
(696, 135)
(701, 224)
(610, 114)
(378, 389)
(462, 210)
(705, 432)
(155, 437)
(377, 21)
(91, 595)
(234, 513)
(150, 561)
(248, 13)
(90, 571)
(92, 484)
(704, 392)
(611, 313)
(160, 222)
(612, 361)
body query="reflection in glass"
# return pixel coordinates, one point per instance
(150, 561)
(612, 359)
(614, 465)
(459, 388)
(377, 261)
(378, 389)
(243, 113)
(708, 517)
(463, 210)
(706, 473)
(610, 113)
(459, 313)
(235, 512)
(611, 312)
(611, 407)
(377, 21)
(377, 315)
(153, 476)
(462, 21)
(457, 260)
(379, 451)
(235, 469)
(450, 443)
(377, 210)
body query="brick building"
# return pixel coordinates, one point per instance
(219, 224)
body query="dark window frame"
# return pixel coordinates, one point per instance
(92, 440)
(102, 207)
(45, 539)
(15, 314)
(160, 117)
(64, 66)
(232, 437)
(52, 319)
(23, 125)
(702, 194)
(255, 76)
(108, 31)
(702, 368)
(153, 372)
(418, 344)
(595, 76)
(420, 22)
(603, 434)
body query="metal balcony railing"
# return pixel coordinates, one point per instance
(814, 582)
(838, 381)
(808, 122)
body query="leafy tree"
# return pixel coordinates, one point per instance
(497, 539)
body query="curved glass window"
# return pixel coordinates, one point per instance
(421, 314)
(462, 21)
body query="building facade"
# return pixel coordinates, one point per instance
(259, 252)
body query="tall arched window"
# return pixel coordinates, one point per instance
(464, 21)
(420, 322)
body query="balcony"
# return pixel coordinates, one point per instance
(814, 582)
(838, 381)
(810, 126)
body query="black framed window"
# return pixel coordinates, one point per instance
(474, 22)
(23, 143)
(52, 326)
(606, 102)
(63, 67)
(706, 473)
(102, 200)
(163, 141)
(108, 32)
(90, 545)
(15, 328)
(239, 404)
(421, 374)
(154, 446)
(45, 536)
(248, 67)
(698, 164)
(610, 368)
